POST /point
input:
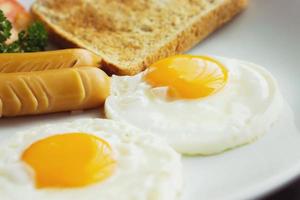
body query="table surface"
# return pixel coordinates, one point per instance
(289, 192)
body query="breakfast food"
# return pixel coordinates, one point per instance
(40, 61)
(28, 93)
(131, 35)
(17, 15)
(200, 105)
(34, 38)
(88, 159)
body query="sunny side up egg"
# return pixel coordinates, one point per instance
(199, 104)
(88, 159)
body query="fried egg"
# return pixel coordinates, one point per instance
(198, 104)
(88, 159)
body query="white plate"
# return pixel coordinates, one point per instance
(267, 33)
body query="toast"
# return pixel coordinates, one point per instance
(130, 35)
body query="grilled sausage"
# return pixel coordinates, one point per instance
(41, 61)
(30, 93)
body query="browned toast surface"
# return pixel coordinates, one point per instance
(130, 35)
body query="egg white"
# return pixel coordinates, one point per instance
(238, 114)
(147, 168)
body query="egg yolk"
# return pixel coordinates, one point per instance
(69, 160)
(187, 77)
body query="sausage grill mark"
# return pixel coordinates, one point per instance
(4, 66)
(40, 61)
(13, 91)
(83, 79)
(46, 65)
(49, 99)
(31, 91)
(73, 63)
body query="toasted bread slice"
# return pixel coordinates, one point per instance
(130, 35)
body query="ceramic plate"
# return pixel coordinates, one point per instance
(267, 33)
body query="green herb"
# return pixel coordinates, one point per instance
(5, 27)
(35, 38)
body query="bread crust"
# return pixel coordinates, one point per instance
(191, 36)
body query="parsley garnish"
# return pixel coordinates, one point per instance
(33, 39)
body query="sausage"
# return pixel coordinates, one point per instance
(30, 93)
(40, 61)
